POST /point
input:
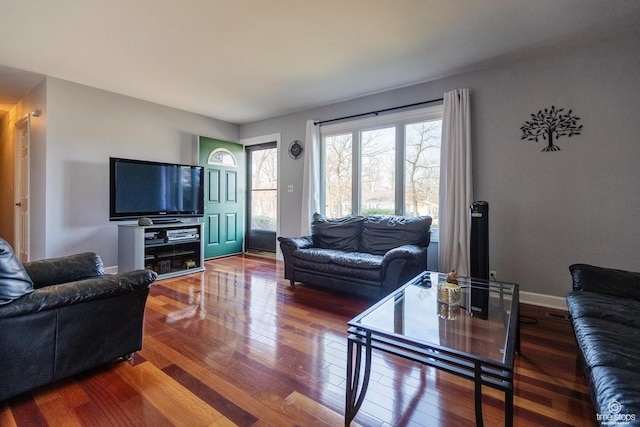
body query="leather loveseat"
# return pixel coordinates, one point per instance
(61, 316)
(604, 307)
(365, 255)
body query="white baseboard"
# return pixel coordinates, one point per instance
(543, 300)
(111, 270)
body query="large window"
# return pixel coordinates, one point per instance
(388, 165)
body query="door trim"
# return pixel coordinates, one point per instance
(22, 188)
(261, 140)
(254, 236)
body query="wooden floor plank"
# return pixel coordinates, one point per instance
(237, 345)
(6, 417)
(58, 412)
(174, 401)
(232, 391)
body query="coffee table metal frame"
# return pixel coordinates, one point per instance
(483, 371)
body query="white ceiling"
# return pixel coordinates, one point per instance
(248, 60)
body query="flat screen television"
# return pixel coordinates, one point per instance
(168, 191)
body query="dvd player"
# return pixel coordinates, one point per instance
(183, 233)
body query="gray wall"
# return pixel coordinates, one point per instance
(84, 127)
(547, 210)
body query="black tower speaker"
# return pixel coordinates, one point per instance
(479, 245)
(479, 257)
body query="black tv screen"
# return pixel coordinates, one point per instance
(141, 188)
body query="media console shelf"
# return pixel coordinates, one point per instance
(168, 249)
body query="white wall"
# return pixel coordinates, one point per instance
(547, 210)
(85, 126)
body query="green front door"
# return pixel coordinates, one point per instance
(223, 196)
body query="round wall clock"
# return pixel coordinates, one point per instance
(295, 149)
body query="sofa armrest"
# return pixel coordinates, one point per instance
(407, 252)
(65, 269)
(289, 245)
(605, 280)
(95, 288)
(401, 264)
(295, 243)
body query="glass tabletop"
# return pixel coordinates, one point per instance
(476, 318)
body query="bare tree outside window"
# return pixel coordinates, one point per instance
(377, 187)
(422, 169)
(378, 171)
(264, 194)
(338, 175)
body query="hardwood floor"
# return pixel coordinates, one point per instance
(236, 345)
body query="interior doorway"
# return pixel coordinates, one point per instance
(262, 197)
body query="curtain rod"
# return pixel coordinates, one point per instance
(376, 112)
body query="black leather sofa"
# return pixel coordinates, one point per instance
(604, 307)
(62, 316)
(364, 255)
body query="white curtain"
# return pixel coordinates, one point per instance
(456, 190)
(310, 177)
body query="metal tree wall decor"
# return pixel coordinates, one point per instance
(549, 124)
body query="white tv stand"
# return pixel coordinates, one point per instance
(170, 250)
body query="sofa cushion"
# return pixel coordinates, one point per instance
(336, 233)
(343, 258)
(607, 307)
(338, 271)
(381, 233)
(358, 260)
(318, 255)
(617, 391)
(14, 280)
(606, 343)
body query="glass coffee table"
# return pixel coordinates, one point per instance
(471, 331)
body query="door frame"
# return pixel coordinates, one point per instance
(250, 233)
(22, 188)
(262, 140)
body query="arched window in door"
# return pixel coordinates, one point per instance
(222, 157)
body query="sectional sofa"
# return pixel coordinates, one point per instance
(604, 307)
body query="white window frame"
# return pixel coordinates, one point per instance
(355, 127)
